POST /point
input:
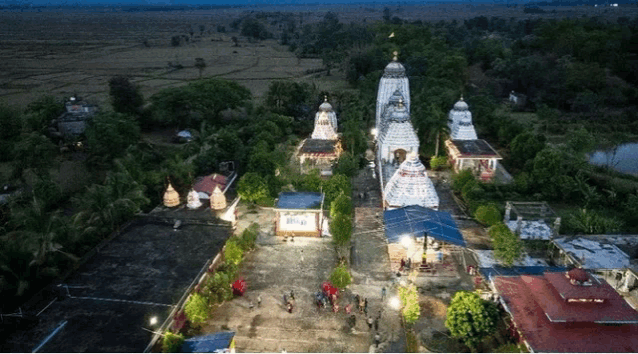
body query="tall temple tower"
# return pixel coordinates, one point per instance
(397, 137)
(393, 79)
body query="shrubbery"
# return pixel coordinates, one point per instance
(197, 309)
(438, 163)
(488, 214)
(172, 342)
(340, 276)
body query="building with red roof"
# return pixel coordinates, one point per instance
(207, 184)
(568, 312)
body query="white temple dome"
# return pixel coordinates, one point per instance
(324, 129)
(400, 114)
(410, 185)
(461, 105)
(325, 106)
(396, 97)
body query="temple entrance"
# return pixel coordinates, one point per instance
(399, 155)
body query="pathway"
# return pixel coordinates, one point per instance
(370, 261)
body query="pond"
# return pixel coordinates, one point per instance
(622, 158)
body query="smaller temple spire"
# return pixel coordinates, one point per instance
(171, 197)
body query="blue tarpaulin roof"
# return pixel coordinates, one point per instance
(299, 200)
(514, 271)
(209, 343)
(419, 221)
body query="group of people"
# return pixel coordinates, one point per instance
(405, 265)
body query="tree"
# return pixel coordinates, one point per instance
(197, 309)
(253, 28)
(125, 96)
(341, 230)
(470, 318)
(340, 276)
(508, 247)
(39, 114)
(438, 163)
(110, 134)
(342, 205)
(461, 179)
(288, 97)
(200, 64)
(336, 185)
(33, 151)
(347, 165)
(233, 253)
(172, 342)
(581, 141)
(10, 126)
(488, 214)
(252, 187)
(524, 148)
(410, 307)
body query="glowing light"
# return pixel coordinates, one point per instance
(395, 303)
(153, 320)
(373, 131)
(406, 241)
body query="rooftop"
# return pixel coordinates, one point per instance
(419, 221)
(208, 183)
(592, 254)
(528, 298)
(299, 200)
(141, 273)
(486, 260)
(479, 147)
(531, 229)
(317, 146)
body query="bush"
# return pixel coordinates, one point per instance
(487, 214)
(217, 288)
(342, 205)
(172, 342)
(508, 247)
(340, 277)
(233, 253)
(460, 179)
(248, 238)
(197, 309)
(472, 191)
(438, 163)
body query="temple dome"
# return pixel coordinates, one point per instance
(171, 197)
(396, 97)
(410, 185)
(461, 105)
(394, 68)
(324, 129)
(218, 199)
(400, 114)
(193, 201)
(325, 106)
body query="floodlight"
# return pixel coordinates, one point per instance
(395, 303)
(153, 320)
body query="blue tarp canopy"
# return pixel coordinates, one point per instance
(209, 343)
(419, 221)
(515, 271)
(299, 200)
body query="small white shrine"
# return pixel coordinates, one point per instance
(218, 199)
(192, 200)
(393, 79)
(410, 185)
(325, 109)
(460, 122)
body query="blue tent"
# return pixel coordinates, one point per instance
(419, 221)
(210, 343)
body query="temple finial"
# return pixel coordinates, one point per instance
(461, 97)
(325, 98)
(396, 57)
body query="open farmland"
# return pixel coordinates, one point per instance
(67, 51)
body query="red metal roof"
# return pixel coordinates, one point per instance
(522, 296)
(567, 290)
(207, 184)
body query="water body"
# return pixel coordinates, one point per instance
(622, 158)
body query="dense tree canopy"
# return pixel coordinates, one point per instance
(470, 318)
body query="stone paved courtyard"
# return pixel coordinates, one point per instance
(275, 268)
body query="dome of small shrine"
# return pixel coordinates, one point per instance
(171, 197)
(325, 106)
(218, 199)
(461, 105)
(324, 128)
(192, 199)
(578, 274)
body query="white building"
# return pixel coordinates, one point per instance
(393, 79)
(410, 185)
(325, 109)
(397, 138)
(460, 122)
